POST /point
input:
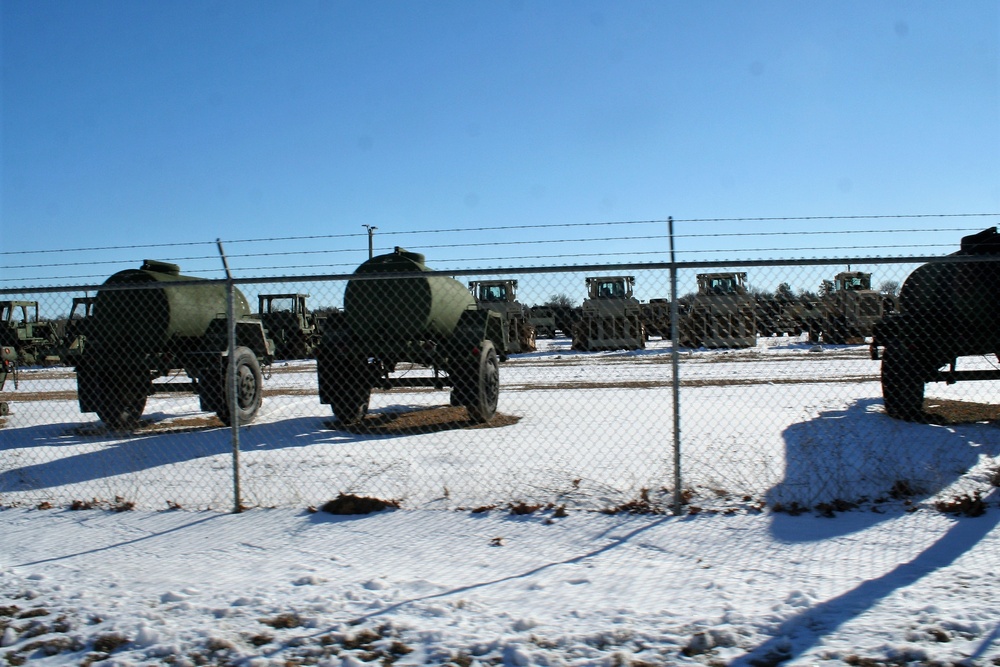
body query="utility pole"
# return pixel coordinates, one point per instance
(371, 230)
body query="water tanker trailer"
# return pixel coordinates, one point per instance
(393, 315)
(152, 322)
(947, 309)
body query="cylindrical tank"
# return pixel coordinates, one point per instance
(958, 297)
(146, 320)
(404, 308)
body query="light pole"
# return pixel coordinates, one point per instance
(371, 230)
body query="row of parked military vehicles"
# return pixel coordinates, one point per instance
(152, 322)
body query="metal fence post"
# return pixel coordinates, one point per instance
(231, 379)
(675, 365)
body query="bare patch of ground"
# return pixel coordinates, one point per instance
(944, 411)
(430, 420)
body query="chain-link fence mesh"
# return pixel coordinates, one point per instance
(548, 386)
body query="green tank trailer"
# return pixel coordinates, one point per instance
(946, 310)
(430, 321)
(137, 335)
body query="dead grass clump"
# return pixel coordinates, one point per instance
(348, 503)
(283, 621)
(109, 642)
(964, 505)
(641, 505)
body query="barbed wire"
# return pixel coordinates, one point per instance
(606, 223)
(64, 268)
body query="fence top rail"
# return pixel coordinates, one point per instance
(522, 270)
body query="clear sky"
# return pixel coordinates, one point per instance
(138, 123)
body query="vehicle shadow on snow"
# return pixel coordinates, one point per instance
(109, 453)
(860, 456)
(805, 630)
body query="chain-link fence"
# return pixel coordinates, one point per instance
(558, 386)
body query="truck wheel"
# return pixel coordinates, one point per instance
(249, 388)
(350, 391)
(902, 384)
(119, 402)
(485, 386)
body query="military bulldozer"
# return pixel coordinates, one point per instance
(289, 324)
(501, 296)
(947, 310)
(153, 321)
(394, 316)
(611, 317)
(721, 315)
(847, 310)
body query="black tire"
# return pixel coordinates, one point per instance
(902, 384)
(119, 401)
(349, 388)
(483, 385)
(249, 388)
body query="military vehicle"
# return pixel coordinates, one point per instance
(543, 318)
(33, 340)
(847, 310)
(656, 318)
(721, 314)
(947, 309)
(413, 320)
(289, 324)
(501, 296)
(168, 322)
(8, 366)
(610, 318)
(74, 330)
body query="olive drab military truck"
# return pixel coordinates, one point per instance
(33, 340)
(431, 321)
(289, 324)
(611, 317)
(543, 319)
(152, 322)
(847, 310)
(8, 366)
(501, 296)
(721, 315)
(947, 310)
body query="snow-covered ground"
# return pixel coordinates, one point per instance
(867, 567)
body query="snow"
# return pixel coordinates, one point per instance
(857, 572)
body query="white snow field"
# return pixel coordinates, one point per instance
(815, 529)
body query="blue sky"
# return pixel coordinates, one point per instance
(129, 124)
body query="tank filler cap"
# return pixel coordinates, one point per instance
(415, 257)
(160, 267)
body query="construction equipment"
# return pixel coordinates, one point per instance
(428, 321)
(611, 317)
(847, 310)
(33, 340)
(165, 323)
(289, 324)
(721, 315)
(543, 318)
(947, 309)
(501, 296)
